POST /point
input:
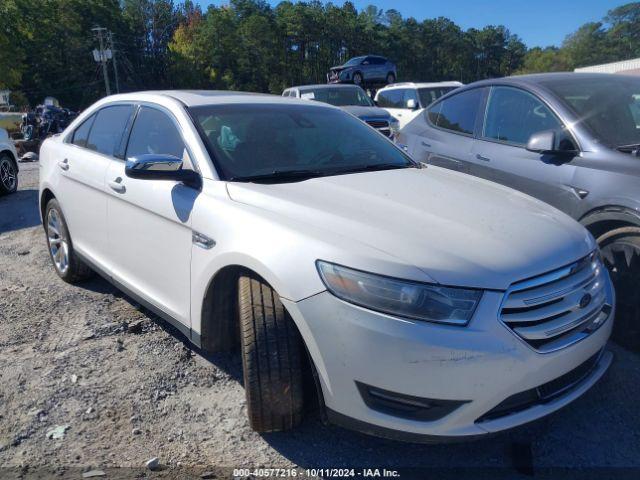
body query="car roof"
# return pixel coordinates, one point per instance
(322, 86)
(541, 78)
(422, 85)
(194, 98)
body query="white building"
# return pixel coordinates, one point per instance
(626, 67)
(4, 97)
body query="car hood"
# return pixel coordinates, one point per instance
(457, 229)
(366, 112)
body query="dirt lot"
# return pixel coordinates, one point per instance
(125, 389)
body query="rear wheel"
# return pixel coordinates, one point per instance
(357, 78)
(621, 251)
(65, 261)
(271, 358)
(8, 175)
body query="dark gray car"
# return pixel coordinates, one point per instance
(367, 70)
(569, 139)
(352, 99)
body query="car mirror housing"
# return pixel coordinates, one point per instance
(542, 142)
(161, 167)
(411, 104)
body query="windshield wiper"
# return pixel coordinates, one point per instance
(298, 175)
(279, 176)
(633, 148)
(373, 168)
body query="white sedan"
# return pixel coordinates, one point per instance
(421, 302)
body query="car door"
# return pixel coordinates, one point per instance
(511, 116)
(392, 101)
(81, 192)
(378, 68)
(407, 114)
(448, 137)
(149, 221)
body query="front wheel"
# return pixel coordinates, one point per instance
(8, 175)
(271, 358)
(621, 251)
(65, 261)
(391, 78)
(357, 78)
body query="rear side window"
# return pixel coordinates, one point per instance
(81, 135)
(457, 113)
(514, 115)
(108, 127)
(391, 98)
(154, 133)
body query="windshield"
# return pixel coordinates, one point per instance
(608, 105)
(338, 96)
(249, 141)
(354, 61)
(430, 95)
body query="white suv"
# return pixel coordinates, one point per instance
(404, 101)
(422, 301)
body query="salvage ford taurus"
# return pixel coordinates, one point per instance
(425, 303)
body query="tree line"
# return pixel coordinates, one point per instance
(46, 45)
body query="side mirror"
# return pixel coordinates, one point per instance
(161, 167)
(411, 104)
(542, 142)
(545, 142)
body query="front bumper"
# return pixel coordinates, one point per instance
(480, 366)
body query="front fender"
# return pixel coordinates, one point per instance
(625, 212)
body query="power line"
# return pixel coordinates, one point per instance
(101, 56)
(115, 65)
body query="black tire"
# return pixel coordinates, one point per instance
(271, 358)
(8, 175)
(621, 251)
(391, 78)
(357, 79)
(75, 270)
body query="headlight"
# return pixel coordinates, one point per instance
(419, 301)
(394, 125)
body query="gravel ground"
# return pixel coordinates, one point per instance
(124, 388)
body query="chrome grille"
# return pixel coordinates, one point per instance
(380, 125)
(560, 308)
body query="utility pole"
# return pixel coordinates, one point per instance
(102, 57)
(115, 64)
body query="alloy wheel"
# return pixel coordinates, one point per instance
(8, 174)
(58, 244)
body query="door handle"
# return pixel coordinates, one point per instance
(64, 164)
(483, 158)
(117, 185)
(425, 144)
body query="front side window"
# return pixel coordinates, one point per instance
(108, 128)
(430, 95)
(354, 61)
(409, 94)
(338, 96)
(81, 135)
(271, 141)
(457, 113)
(391, 98)
(154, 133)
(513, 115)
